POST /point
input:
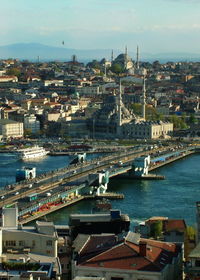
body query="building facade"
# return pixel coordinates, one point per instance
(11, 129)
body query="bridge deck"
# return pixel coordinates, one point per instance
(53, 181)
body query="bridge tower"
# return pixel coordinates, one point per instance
(140, 166)
(98, 183)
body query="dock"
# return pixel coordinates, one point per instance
(144, 177)
(171, 160)
(109, 195)
(39, 214)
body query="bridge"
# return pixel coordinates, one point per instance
(57, 189)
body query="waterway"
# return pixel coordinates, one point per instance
(9, 163)
(174, 197)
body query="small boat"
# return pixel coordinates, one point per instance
(103, 205)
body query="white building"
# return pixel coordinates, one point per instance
(31, 123)
(147, 129)
(26, 245)
(11, 129)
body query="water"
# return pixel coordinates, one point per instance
(9, 163)
(173, 197)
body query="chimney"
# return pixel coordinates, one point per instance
(142, 248)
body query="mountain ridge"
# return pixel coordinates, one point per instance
(32, 51)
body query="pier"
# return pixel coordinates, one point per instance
(86, 180)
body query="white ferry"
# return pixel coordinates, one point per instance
(31, 153)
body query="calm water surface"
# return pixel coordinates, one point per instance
(173, 197)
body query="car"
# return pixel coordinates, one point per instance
(16, 193)
(74, 172)
(2, 197)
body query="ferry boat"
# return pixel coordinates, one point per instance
(31, 153)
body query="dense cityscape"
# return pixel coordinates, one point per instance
(100, 140)
(133, 117)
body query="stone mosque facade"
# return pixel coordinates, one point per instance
(114, 120)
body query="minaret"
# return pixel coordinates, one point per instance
(126, 57)
(119, 109)
(112, 56)
(137, 59)
(120, 104)
(144, 99)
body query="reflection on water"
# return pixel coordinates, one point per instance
(173, 197)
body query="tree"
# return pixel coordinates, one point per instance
(116, 68)
(156, 229)
(192, 119)
(13, 72)
(94, 64)
(191, 233)
(137, 108)
(178, 122)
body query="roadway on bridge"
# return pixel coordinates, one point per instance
(54, 182)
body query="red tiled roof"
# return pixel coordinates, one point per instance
(178, 225)
(97, 242)
(127, 256)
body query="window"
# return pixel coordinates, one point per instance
(33, 243)
(10, 243)
(197, 263)
(21, 243)
(49, 243)
(117, 278)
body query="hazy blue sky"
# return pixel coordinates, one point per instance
(156, 25)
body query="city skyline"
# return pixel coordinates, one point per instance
(154, 25)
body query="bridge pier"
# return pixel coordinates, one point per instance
(140, 166)
(98, 182)
(79, 158)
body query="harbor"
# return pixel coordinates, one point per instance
(53, 204)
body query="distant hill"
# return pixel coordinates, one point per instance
(31, 51)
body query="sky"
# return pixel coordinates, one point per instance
(157, 26)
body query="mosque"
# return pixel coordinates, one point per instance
(114, 120)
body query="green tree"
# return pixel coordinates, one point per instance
(183, 117)
(156, 229)
(27, 132)
(94, 64)
(192, 119)
(116, 68)
(178, 122)
(191, 232)
(137, 108)
(13, 72)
